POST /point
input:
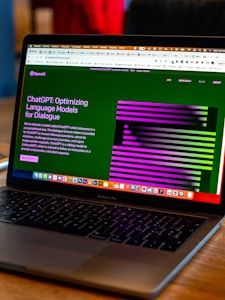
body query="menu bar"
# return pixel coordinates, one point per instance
(119, 47)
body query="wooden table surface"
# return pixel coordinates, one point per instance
(202, 279)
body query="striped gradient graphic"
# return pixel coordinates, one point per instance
(164, 145)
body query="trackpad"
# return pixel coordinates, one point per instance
(44, 250)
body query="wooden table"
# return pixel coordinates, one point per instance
(203, 278)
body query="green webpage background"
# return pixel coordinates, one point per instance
(103, 89)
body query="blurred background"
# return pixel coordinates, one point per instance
(21, 17)
(16, 17)
(29, 18)
(176, 17)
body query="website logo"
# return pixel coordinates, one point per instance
(37, 74)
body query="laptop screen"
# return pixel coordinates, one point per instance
(139, 119)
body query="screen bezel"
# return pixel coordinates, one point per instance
(115, 196)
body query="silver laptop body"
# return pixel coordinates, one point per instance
(128, 122)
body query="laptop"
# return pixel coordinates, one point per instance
(115, 176)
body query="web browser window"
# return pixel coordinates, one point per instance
(144, 119)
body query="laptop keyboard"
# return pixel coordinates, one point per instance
(113, 223)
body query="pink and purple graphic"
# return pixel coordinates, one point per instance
(164, 145)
